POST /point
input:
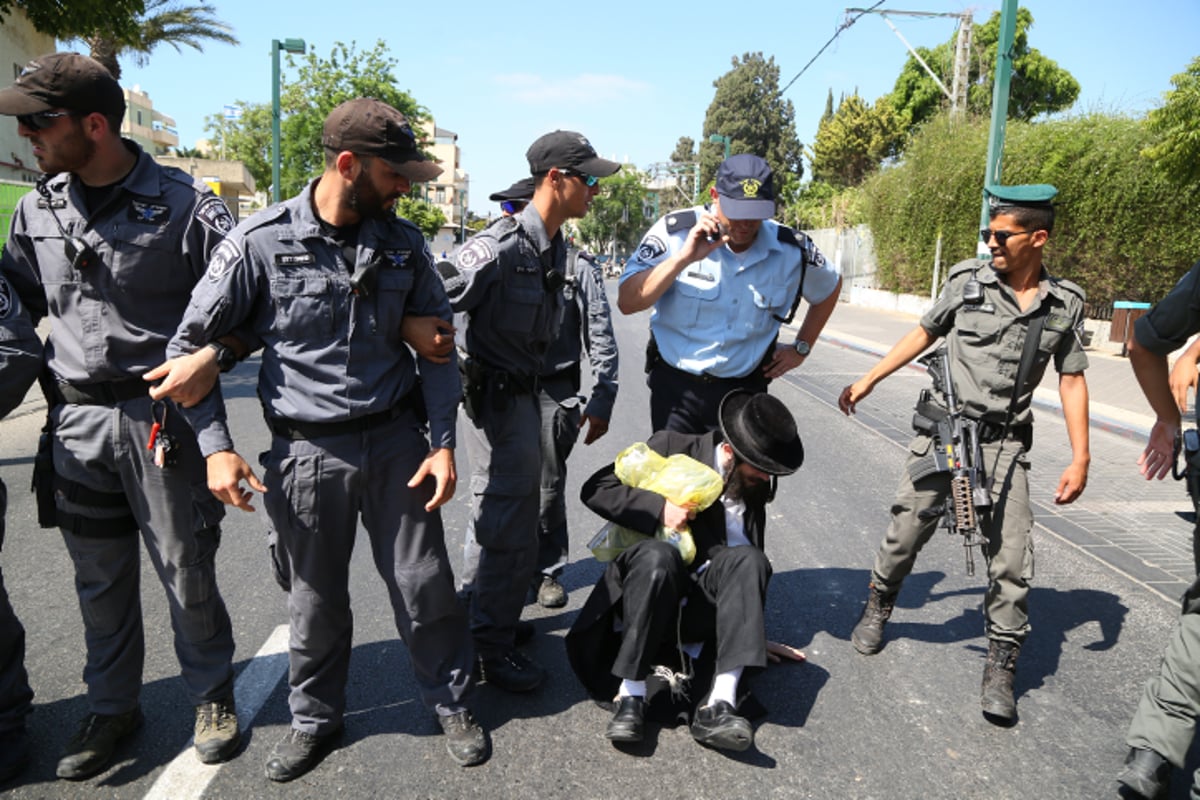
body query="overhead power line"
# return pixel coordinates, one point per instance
(850, 21)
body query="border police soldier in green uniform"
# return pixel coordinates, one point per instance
(985, 313)
(505, 287)
(1165, 721)
(109, 248)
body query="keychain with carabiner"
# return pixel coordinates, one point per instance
(160, 441)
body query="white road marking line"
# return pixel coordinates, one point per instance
(186, 777)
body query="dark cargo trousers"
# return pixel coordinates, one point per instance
(317, 490)
(103, 447)
(15, 694)
(1008, 526)
(502, 537)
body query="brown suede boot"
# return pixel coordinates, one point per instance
(996, 695)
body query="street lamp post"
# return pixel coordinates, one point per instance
(291, 46)
(718, 138)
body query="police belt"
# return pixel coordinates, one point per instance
(705, 377)
(103, 393)
(993, 432)
(297, 430)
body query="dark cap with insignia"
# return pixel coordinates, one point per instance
(746, 187)
(1032, 195)
(521, 190)
(567, 150)
(63, 80)
(368, 127)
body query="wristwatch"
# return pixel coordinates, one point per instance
(802, 347)
(226, 357)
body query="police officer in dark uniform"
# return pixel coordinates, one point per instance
(1164, 724)
(20, 360)
(505, 286)
(720, 281)
(986, 312)
(109, 247)
(361, 429)
(583, 301)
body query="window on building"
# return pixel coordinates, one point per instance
(139, 115)
(440, 196)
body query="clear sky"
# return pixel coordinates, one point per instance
(635, 76)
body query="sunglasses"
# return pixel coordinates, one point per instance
(1002, 237)
(513, 206)
(588, 180)
(41, 120)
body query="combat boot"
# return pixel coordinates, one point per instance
(867, 636)
(217, 735)
(999, 670)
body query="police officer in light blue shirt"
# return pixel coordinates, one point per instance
(363, 431)
(721, 280)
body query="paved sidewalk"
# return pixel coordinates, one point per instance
(1117, 404)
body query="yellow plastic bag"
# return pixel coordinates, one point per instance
(681, 479)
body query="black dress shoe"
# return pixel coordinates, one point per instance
(298, 752)
(1146, 773)
(718, 726)
(629, 722)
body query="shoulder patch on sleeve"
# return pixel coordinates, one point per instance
(214, 214)
(479, 251)
(452, 279)
(651, 249)
(6, 299)
(222, 259)
(680, 220)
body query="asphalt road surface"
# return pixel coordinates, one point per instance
(902, 724)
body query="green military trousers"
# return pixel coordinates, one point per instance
(1007, 525)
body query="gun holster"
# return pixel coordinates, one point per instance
(474, 386)
(43, 479)
(652, 354)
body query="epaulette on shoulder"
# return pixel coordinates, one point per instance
(966, 265)
(186, 178)
(263, 217)
(791, 236)
(504, 227)
(680, 220)
(1070, 286)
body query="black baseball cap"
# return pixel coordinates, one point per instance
(567, 150)
(369, 127)
(746, 187)
(521, 190)
(63, 80)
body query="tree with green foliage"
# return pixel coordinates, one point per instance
(1123, 231)
(320, 85)
(685, 151)
(426, 216)
(855, 140)
(748, 108)
(1176, 128)
(247, 139)
(188, 152)
(161, 22)
(1039, 85)
(618, 213)
(75, 19)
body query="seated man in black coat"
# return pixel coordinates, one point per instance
(725, 586)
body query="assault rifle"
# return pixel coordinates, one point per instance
(957, 450)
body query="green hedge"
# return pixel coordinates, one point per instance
(1123, 231)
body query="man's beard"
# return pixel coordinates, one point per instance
(751, 493)
(366, 201)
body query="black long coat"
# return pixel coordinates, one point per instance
(592, 643)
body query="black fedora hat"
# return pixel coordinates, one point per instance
(761, 431)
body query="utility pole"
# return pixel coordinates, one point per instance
(995, 151)
(962, 60)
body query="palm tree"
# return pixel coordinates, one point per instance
(162, 21)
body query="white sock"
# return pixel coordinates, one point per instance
(725, 687)
(632, 688)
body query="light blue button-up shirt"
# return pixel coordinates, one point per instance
(719, 317)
